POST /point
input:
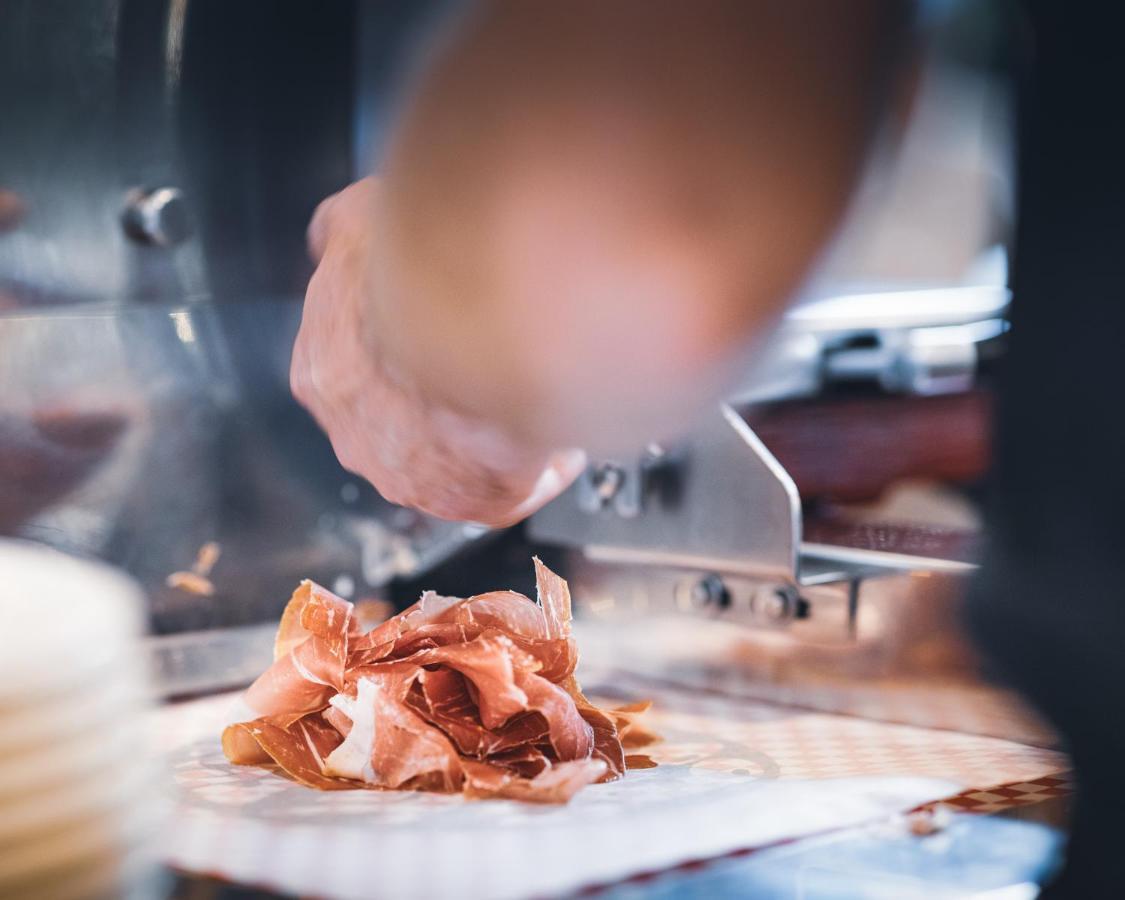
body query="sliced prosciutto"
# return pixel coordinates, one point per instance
(472, 695)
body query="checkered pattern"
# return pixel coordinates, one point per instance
(717, 731)
(230, 820)
(693, 655)
(1009, 796)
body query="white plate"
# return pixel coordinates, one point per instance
(76, 715)
(75, 682)
(96, 793)
(62, 617)
(99, 842)
(114, 744)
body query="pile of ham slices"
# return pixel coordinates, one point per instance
(474, 695)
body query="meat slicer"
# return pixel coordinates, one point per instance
(739, 559)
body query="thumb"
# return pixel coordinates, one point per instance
(564, 467)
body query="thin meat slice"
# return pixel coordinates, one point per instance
(313, 610)
(311, 653)
(318, 661)
(607, 744)
(489, 662)
(381, 640)
(444, 700)
(286, 688)
(554, 785)
(407, 747)
(607, 741)
(542, 631)
(446, 620)
(330, 619)
(388, 743)
(424, 637)
(570, 735)
(554, 597)
(630, 730)
(297, 750)
(477, 696)
(337, 720)
(525, 761)
(241, 747)
(557, 656)
(506, 611)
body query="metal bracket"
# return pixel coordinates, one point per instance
(721, 502)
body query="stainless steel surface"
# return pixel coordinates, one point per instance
(722, 513)
(885, 647)
(159, 163)
(620, 486)
(888, 308)
(209, 448)
(711, 584)
(246, 118)
(90, 102)
(919, 341)
(816, 558)
(623, 593)
(720, 502)
(197, 662)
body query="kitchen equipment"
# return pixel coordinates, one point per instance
(160, 162)
(711, 568)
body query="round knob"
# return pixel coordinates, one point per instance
(775, 604)
(607, 480)
(710, 591)
(156, 217)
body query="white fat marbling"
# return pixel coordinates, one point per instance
(352, 759)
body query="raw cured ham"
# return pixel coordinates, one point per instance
(472, 695)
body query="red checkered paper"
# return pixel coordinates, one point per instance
(733, 774)
(1009, 796)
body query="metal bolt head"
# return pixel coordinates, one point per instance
(607, 480)
(158, 217)
(774, 604)
(710, 591)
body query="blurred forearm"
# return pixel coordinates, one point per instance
(589, 207)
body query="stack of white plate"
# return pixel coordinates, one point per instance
(78, 808)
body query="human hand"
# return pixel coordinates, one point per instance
(414, 449)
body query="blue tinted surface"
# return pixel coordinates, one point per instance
(973, 854)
